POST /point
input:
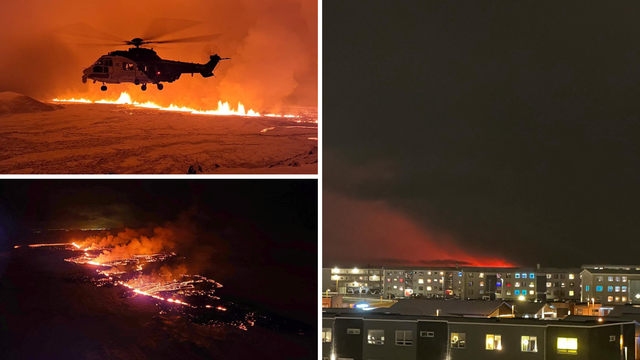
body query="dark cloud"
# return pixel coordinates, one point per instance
(511, 128)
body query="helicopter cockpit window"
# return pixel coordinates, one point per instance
(97, 69)
(108, 62)
(98, 62)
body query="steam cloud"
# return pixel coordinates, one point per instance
(273, 46)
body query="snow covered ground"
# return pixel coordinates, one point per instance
(120, 139)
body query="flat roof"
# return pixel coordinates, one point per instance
(389, 316)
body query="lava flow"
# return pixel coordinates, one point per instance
(167, 286)
(223, 108)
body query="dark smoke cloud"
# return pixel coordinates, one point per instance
(273, 46)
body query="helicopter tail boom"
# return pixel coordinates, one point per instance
(211, 65)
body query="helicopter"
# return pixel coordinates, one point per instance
(140, 65)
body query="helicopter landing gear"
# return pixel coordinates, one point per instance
(143, 87)
(103, 87)
(160, 86)
(136, 82)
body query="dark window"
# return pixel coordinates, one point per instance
(97, 69)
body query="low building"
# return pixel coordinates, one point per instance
(357, 335)
(463, 308)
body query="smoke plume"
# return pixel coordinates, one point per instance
(273, 46)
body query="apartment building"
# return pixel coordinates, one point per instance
(352, 335)
(473, 283)
(561, 284)
(610, 284)
(353, 280)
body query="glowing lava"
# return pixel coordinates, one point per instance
(223, 108)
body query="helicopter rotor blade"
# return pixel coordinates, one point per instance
(202, 38)
(160, 27)
(81, 29)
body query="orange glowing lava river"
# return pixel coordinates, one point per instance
(224, 109)
(165, 285)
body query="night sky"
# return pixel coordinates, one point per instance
(254, 236)
(491, 132)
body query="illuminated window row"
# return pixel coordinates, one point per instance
(403, 337)
(493, 342)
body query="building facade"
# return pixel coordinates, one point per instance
(350, 335)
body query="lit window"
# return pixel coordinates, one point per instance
(428, 272)
(517, 276)
(624, 279)
(587, 287)
(375, 337)
(517, 284)
(441, 272)
(428, 288)
(531, 284)
(529, 344)
(401, 288)
(404, 337)
(326, 335)
(624, 299)
(480, 276)
(481, 283)
(524, 275)
(458, 341)
(563, 285)
(420, 281)
(494, 342)
(401, 280)
(481, 291)
(508, 292)
(610, 278)
(617, 288)
(470, 283)
(609, 298)
(567, 345)
(508, 284)
(531, 292)
(571, 293)
(571, 276)
(548, 284)
(617, 298)
(429, 281)
(517, 292)
(609, 288)
(624, 289)
(617, 278)
(395, 286)
(532, 276)
(524, 292)
(598, 288)
(599, 278)
(548, 276)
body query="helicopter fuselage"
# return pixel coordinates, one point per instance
(142, 66)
